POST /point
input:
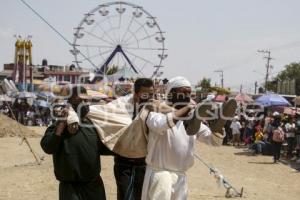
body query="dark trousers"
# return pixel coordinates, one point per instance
(93, 190)
(276, 150)
(129, 174)
(228, 136)
(291, 145)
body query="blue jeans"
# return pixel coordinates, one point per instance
(258, 146)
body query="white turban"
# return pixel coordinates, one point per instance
(210, 97)
(177, 82)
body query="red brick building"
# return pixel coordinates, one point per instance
(60, 73)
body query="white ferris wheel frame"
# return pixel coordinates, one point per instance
(101, 9)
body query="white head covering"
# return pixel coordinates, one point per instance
(275, 114)
(177, 82)
(210, 97)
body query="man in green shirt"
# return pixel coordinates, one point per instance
(76, 153)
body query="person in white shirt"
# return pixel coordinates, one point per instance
(290, 128)
(236, 130)
(171, 148)
(129, 172)
(122, 128)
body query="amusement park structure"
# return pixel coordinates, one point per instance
(114, 34)
(23, 68)
(36, 74)
(119, 34)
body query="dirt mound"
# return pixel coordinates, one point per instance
(10, 128)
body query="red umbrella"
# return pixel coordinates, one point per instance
(220, 98)
(291, 111)
(243, 98)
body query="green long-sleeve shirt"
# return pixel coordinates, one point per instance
(75, 157)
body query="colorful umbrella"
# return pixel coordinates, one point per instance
(243, 98)
(25, 95)
(4, 97)
(96, 94)
(272, 100)
(220, 98)
(46, 95)
(42, 103)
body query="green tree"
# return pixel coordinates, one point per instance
(272, 85)
(205, 83)
(112, 70)
(291, 71)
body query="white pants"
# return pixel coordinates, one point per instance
(164, 185)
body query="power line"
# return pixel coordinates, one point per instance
(286, 46)
(57, 32)
(44, 20)
(240, 62)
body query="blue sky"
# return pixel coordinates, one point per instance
(201, 35)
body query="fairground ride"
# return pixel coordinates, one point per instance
(119, 34)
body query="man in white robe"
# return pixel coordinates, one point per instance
(120, 125)
(171, 150)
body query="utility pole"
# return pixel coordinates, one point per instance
(222, 77)
(255, 87)
(268, 66)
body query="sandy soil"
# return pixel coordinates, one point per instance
(22, 179)
(11, 128)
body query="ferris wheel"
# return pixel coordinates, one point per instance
(122, 35)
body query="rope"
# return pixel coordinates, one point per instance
(44, 20)
(56, 31)
(220, 178)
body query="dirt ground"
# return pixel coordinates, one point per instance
(10, 128)
(22, 179)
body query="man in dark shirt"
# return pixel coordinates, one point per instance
(129, 172)
(297, 136)
(76, 153)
